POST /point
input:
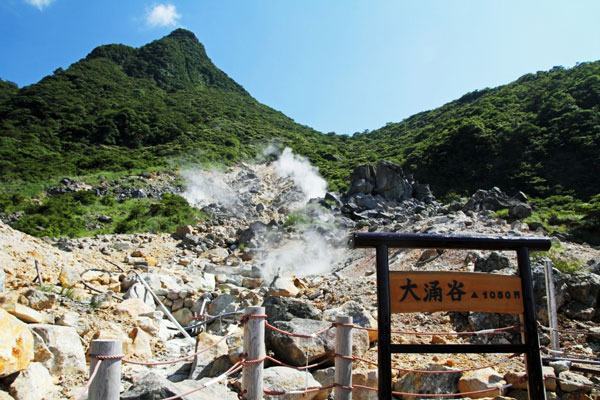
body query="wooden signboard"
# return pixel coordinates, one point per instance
(430, 291)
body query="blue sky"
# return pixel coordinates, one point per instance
(335, 65)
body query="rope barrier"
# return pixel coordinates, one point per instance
(94, 372)
(246, 317)
(240, 364)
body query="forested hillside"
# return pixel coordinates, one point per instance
(160, 105)
(539, 134)
(122, 108)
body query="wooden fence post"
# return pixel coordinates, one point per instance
(343, 365)
(254, 348)
(106, 384)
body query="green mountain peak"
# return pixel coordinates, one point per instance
(175, 62)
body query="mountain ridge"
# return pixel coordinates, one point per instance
(122, 108)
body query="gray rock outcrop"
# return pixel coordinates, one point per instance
(387, 180)
(495, 199)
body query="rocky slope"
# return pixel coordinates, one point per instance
(270, 242)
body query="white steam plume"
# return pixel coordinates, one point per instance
(308, 255)
(306, 240)
(317, 246)
(206, 187)
(305, 176)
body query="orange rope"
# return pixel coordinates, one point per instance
(96, 368)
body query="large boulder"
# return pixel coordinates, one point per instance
(74, 320)
(16, 344)
(283, 286)
(299, 351)
(519, 211)
(223, 303)
(391, 183)
(387, 180)
(494, 262)
(163, 282)
(287, 379)
(573, 382)
(360, 316)
(66, 348)
(414, 382)
(481, 379)
(577, 294)
(35, 383)
(150, 387)
(153, 386)
(495, 199)
(518, 380)
(280, 308)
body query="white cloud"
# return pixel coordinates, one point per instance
(40, 4)
(160, 15)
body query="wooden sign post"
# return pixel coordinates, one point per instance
(425, 291)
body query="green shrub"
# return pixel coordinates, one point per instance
(165, 216)
(296, 218)
(75, 215)
(502, 213)
(559, 259)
